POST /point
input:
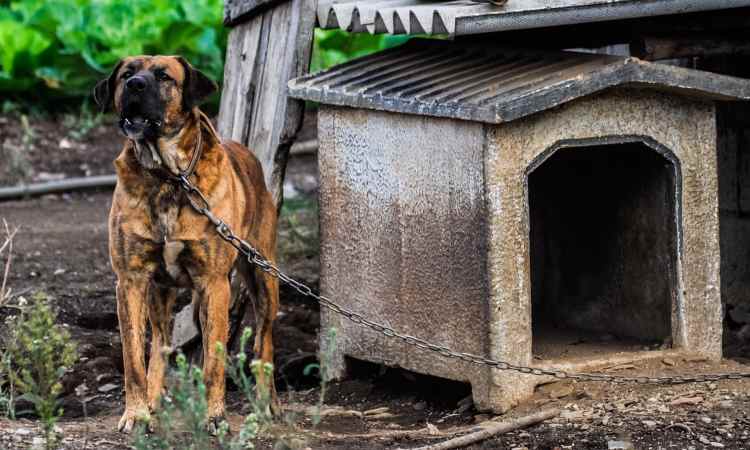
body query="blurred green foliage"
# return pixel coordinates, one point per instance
(56, 50)
(334, 47)
(60, 48)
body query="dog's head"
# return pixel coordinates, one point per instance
(152, 94)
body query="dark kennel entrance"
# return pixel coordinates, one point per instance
(603, 250)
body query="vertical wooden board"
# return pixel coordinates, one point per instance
(264, 53)
(240, 80)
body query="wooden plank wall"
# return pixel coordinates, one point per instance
(266, 50)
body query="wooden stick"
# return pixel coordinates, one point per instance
(493, 429)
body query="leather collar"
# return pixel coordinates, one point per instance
(165, 174)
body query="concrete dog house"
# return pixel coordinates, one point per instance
(549, 209)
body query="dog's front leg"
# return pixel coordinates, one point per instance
(160, 318)
(213, 297)
(132, 297)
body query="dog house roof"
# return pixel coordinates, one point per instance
(461, 17)
(443, 79)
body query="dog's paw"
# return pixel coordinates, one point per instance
(130, 417)
(218, 425)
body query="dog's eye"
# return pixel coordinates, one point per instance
(162, 76)
(127, 74)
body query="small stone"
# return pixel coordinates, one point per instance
(65, 144)
(706, 420)
(184, 330)
(109, 387)
(696, 359)
(726, 404)
(570, 415)
(686, 401)
(668, 361)
(650, 424)
(23, 432)
(59, 272)
(557, 390)
(479, 418)
(620, 445)
(420, 406)
(432, 430)
(81, 390)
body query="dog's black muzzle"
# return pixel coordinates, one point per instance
(142, 108)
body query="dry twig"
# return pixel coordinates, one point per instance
(491, 429)
(7, 246)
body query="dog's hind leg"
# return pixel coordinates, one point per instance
(213, 295)
(266, 309)
(160, 318)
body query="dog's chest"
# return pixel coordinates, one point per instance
(165, 211)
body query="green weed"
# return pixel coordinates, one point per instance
(79, 124)
(181, 420)
(41, 351)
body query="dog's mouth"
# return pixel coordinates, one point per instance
(138, 127)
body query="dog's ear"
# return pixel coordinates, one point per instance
(196, 87)
(105, 89)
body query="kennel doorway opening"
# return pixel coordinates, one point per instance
(604, 250)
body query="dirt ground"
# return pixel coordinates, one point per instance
(61, 249)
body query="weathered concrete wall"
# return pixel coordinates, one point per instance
(403, 236)
(685, 127)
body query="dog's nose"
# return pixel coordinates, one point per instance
(136, 83)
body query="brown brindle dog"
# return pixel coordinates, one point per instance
(159, 244)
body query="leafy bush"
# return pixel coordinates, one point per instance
(65, 46)
(332, 47)
(41, 351)
(52, 50)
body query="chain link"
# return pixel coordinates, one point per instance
(199, 203)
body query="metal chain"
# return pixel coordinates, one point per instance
(199, 203)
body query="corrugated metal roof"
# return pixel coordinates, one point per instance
(445, 79)
(461, 17)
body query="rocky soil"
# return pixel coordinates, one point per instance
(62, 250)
